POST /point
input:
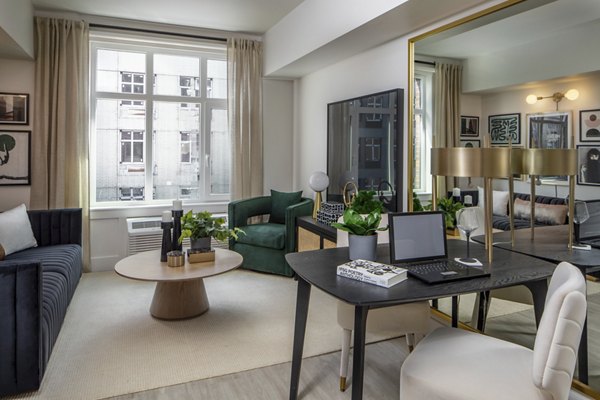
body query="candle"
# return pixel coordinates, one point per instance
(177, 205)
(456, 192)
(166, 216)
(468, 200)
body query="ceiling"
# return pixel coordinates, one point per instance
(248, 16)
(526, 22)
(522, 46)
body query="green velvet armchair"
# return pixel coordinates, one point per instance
(265, 245)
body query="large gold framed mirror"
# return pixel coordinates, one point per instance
(553, 45)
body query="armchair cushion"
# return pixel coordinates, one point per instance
(279, 202)
(264, 235)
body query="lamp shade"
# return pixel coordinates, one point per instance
(318, 181)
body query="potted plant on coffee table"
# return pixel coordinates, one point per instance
(362, 233)
(202, 226)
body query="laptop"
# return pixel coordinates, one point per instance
(418, 243)
(589, 231)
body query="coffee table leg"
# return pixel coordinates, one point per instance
(179, 300)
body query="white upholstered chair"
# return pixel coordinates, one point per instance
(411, 319)
(453, 364)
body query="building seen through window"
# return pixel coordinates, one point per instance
(160, 138)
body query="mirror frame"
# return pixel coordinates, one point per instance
(411, 77)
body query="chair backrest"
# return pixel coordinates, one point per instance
(382, 236)
(559, 333)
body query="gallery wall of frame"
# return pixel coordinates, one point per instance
(15, 144)
(588, 153)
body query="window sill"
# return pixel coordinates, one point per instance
(151, 210)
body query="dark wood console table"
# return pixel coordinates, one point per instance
(313, 235)
(318, 268)
(550, 244)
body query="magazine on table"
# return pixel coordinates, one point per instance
(372, 272)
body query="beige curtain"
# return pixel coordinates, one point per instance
(447, 88)
(60, 133)
(244, 83)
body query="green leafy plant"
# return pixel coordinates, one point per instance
(203, 224)
(364, 202)
(449, 207)
(356, 224)
(417, 206)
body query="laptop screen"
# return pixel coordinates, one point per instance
(590, 228)
(417, 236)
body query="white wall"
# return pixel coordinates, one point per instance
(382, 68)
(17, 76)
(278, 114)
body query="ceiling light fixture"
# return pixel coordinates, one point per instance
(571, 94)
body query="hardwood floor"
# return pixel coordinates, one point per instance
(319, 379)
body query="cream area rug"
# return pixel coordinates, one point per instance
(109, 344)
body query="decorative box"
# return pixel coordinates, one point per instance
(196, 256)
(327, 218)
(333, 207)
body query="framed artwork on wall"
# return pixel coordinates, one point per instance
(470, 143)
(469, 126)
(15, 158)
(550, 130)
(14, 108)
(505, 129)
(588, 165)
(589, 125)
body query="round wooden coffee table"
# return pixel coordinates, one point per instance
(179, 291)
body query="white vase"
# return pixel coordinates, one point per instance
(362, 247)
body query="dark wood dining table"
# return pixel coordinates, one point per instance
(318, 268)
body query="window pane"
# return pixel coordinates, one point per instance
(220, 153)
(216, 73)
(125, 152)
(115, 121)
(176, 75)
(115, 68)
(138, 152)
(418, 91)
(171, 172)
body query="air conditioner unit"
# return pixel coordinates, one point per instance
(146, 234)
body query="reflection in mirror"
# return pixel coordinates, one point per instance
(362, 146)
(508, 53)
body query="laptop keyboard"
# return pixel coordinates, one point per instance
(437, 266)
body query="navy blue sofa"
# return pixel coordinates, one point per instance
(36, 287)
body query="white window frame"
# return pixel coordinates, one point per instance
(426, 75)
(205, 51)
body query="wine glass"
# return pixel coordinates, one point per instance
(581, 213)
(467, 222)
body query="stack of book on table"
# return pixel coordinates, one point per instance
(372, 272)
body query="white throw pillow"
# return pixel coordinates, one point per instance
(15, 230)
(499, 201)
